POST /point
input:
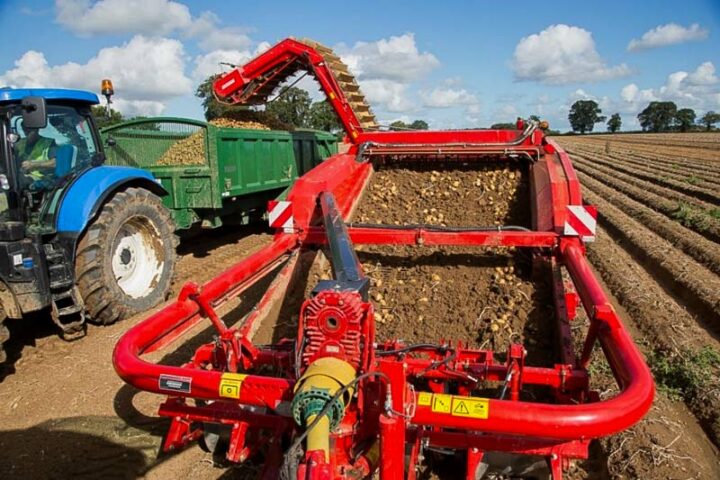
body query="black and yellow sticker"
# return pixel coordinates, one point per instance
(471, 407)
(442, 403)
(230, 385)
(424, 399)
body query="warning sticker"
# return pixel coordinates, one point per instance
(230, 385)
(424, 399)
(442, 403)
(470, 407)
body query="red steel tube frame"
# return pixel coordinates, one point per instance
(344, 176)
(562, 422)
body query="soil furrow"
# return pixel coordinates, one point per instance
(686, 150)
(651, 196)
(681, 275)
(709, 195)
(694, 244)
(671, 165)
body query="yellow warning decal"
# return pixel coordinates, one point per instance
(442, 403)
(230, 384)
(472, 407)
(424, 399)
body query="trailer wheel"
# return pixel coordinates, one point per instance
(126, 259)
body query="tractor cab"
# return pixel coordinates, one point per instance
(48, 139)
(61, 210)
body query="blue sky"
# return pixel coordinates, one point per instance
(453, 63)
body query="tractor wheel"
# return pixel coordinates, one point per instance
(126, 258)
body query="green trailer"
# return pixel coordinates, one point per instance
(215, 175)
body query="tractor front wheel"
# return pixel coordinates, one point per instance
(126, 259)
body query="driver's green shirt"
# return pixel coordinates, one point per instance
(39, 152)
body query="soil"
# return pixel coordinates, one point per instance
(481, 297)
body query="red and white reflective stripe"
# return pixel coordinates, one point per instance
(581, 222)
(280, 215)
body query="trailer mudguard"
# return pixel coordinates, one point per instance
(89, 191)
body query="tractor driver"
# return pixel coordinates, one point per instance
(36, 156)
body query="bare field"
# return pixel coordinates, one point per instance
(658, 251)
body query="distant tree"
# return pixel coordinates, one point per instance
(709, 119)
(584, 114)
(292, 107)
(503, 126)
(657, 116)
(99, 112)
(399, 125)
(419, 125)
(685, 119)
(615, 122)
(323, 117)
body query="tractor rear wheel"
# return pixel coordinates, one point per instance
(126, 259)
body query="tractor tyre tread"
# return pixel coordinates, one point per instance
(104, 301)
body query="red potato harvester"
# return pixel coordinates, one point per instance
(333, 403)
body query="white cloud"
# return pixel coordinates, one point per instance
(396, 58)
(211, 36)
(506, 113)
(133, 108)
(699, 89)
(146, 72)
(149, 17)
(562, 54)
(668, 34)
(448, 97)
(703, 75)
(393, 96)
(210, 63)
(385, 69)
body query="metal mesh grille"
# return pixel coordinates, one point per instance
(157, 143)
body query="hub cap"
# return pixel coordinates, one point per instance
(137, 257)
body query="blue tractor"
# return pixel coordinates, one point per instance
(77, 238)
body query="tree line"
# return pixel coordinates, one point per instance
(656, 117)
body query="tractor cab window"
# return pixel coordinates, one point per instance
(47, 155)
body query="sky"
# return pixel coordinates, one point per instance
(455, 64)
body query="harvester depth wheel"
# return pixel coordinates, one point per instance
(126, 257)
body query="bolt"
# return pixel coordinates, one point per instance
(553, 456)
(475, 450)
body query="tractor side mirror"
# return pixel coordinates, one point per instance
(34, 112)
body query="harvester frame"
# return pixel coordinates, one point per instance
(360, 405)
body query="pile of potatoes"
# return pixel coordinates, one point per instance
(191, 150)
